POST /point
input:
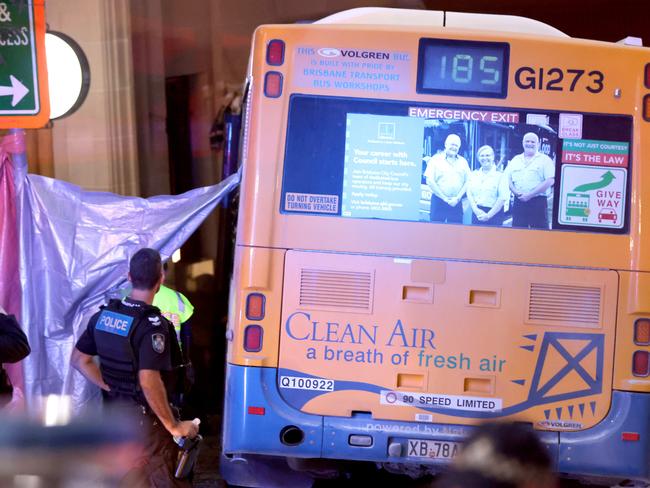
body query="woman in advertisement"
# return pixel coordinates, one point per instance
(487, 190)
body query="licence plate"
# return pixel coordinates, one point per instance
(418, 448)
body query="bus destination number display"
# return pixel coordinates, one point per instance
(465, 68)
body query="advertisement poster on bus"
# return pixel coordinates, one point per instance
(501, 168)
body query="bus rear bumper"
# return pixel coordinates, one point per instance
(616, 448)
(599, 453)
(251, 441)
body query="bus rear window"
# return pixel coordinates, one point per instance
(464, 165)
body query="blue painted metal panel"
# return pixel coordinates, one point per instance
(244, 432)
(600, 451)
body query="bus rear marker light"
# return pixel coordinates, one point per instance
(255, 304)
(256, 410)
(273, 84)
(642, 332)
(641, 363)
(253, 338)
(275, 52)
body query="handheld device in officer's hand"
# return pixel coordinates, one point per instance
(188, 455)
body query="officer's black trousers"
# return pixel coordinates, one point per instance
(156, 466)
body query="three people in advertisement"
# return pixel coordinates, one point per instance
(523, 187)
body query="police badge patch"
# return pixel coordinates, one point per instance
(155, 321)
(158, 343)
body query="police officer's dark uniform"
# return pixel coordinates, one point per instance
(13, 342)
(13, 348)
(129, 335)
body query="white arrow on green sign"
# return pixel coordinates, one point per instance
(17, 91)
(18, 65)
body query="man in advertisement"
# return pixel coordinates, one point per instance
(447, 174)
(530, 175)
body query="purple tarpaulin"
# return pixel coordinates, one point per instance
(74, 252)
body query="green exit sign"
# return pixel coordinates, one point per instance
(23, 84)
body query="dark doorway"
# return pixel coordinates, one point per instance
(207, 349)
(179, 141)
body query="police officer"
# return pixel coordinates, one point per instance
(137, 351)
(176, 308)
(13, 348)
(13, 342)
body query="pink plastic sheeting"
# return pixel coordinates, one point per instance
(9, 271)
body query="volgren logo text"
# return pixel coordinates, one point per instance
(330, 52)
(351, 53)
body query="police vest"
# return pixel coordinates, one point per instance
(114, 330)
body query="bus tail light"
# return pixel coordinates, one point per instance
(275, 52)
(253, 338)
(273, 84)
(255, 306)
(646, 108)
(646, 77)
(641, 363)
(642, 332)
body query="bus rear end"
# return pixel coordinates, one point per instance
(362, 328)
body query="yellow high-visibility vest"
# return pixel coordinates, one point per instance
(174, 306)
